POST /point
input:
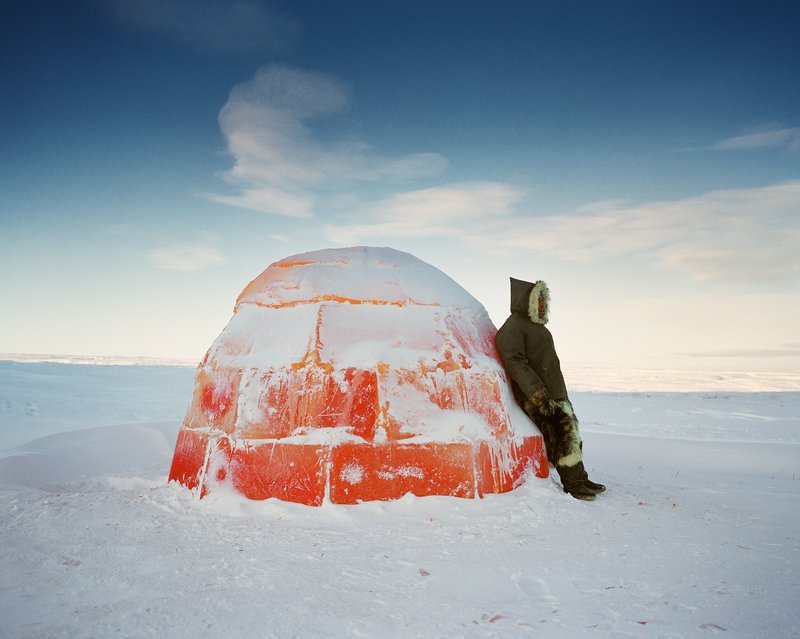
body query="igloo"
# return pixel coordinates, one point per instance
(350, 375)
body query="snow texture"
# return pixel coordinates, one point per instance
(698, 534)
(357, 274)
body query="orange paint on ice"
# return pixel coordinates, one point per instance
(285, 404)
(338, 299)
(310, 428)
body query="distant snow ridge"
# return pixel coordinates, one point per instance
(99, 360)
(589, 379)
(622, 380)
(355, 374)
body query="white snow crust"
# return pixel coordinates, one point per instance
(360, 273)
(698, 534)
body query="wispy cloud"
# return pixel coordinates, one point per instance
(283, 166)
(186, 258)
(774, 138)
(736, 234)
(221, 24)
(452, 210)
(280, 166)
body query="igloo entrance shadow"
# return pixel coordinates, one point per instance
(352, 375)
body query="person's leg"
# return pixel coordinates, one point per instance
(556, 419)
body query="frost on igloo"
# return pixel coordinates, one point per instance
(352, 375)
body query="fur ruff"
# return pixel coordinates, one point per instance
(539, 289)
(559, 425)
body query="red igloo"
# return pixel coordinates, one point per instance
(351, 375)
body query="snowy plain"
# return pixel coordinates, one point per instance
(698, 534)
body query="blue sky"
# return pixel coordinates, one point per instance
(642, 157)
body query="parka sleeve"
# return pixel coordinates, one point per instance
(510, 343)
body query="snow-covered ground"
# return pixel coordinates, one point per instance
(698, 534)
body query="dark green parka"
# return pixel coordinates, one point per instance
(526, 346)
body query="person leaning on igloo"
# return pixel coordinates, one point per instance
(529, 357)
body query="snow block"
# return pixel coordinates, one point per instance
(290, 472)
(311, 397)
(189, 460)
(352, 375)
(501, 468)
(365, 472)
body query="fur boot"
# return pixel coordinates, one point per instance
(572, 481)
(556, 419)
(588, 483)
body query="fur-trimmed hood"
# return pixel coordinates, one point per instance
(525, 299)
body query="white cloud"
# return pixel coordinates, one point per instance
(221, 24)
(284, 167)
(269, 199)
(786, 138)
(734, 234)
(280, 166)
(186, 258)
(450, 210)
(742, 235)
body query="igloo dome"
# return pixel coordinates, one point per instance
(351, 375)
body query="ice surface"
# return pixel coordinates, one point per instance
(698, 534)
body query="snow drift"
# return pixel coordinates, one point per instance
(350, 375)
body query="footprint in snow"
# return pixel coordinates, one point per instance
(537, 589)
